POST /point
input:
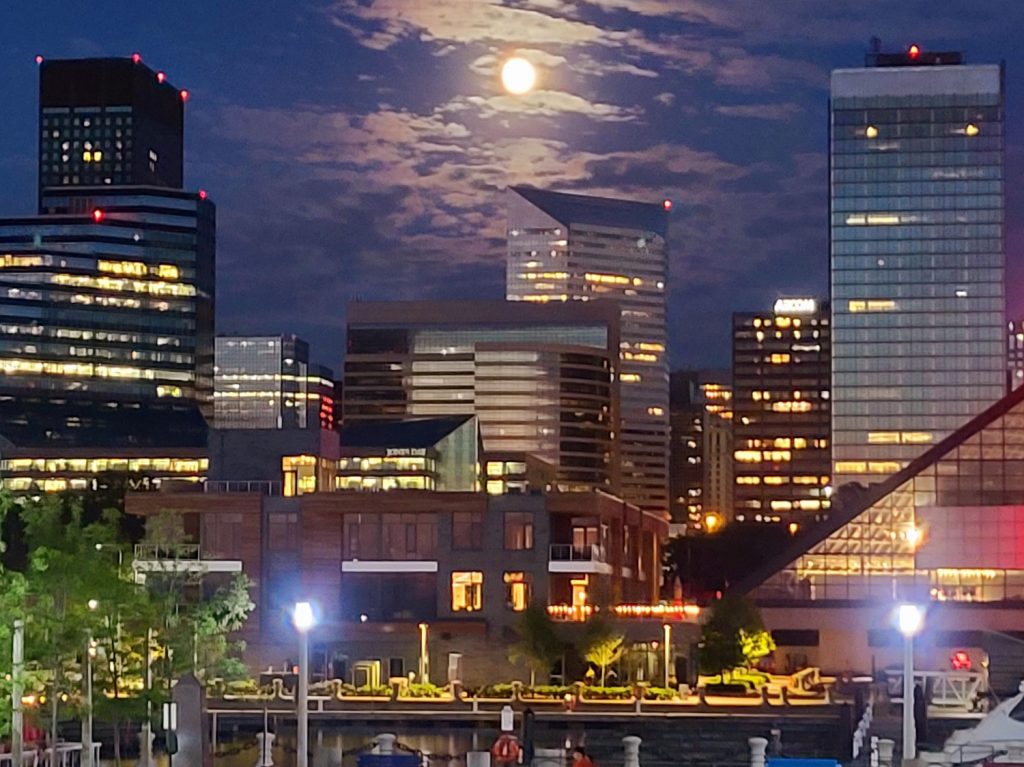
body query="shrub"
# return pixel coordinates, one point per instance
(423, 691)
(660, 693)
(607, 693)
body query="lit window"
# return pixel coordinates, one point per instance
(495, 487)
(467, 591)
(971, 129)
(779, 359)
(519, 530)
(871, 131)
(517, 591)
(851, 467)
(494, 468)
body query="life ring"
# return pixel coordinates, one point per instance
(505, 750)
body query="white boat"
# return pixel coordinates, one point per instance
(999, 737)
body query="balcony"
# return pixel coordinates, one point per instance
(567, 558)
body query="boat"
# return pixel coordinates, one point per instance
(996, 739)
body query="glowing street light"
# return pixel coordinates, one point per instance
(910, 621)
(304, 620)
(518, 76)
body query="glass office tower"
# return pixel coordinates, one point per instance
(268, 382)
(570, 247)
(917, 255)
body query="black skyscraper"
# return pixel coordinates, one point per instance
(109, 121)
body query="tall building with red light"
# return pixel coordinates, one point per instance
(569, 248)
(917, 255)
(111, 121)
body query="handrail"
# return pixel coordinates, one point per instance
(567, 552)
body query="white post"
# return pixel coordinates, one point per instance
(386, 743)
(631, 750)
(17, 717)
(909, 732)
(885, 751)
(758, 750)
(265, 742)
(303, 701)
(146, 735)
(87, 760)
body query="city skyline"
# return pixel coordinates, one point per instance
(722, 109)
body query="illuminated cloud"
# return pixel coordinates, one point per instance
(781, 111)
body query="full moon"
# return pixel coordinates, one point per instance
(518, 76)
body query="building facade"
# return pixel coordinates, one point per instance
(686, 454)
(917, 255)
(781, 412)
(1014, 354)
(109, 121)
(540, 379)
(718, 453)
(569, 248)
(268, 382)
(464, 564)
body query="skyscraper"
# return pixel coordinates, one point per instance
(568, 247)
(781, 412)
(109, 121)
(917, 255)
(539, 378)
(107, 298)
(268, 382)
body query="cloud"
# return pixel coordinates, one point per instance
(541, 103)
(666, 98)
(779, 111)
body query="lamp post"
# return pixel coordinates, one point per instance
(304, 620)
(87, 679)
(910, 620)
(424, 657)
(17, 710)
(668, 649)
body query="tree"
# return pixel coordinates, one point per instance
(602, 646)
(733, 635)
(539, 644)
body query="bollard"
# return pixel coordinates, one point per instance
(873, 759)
(885, 752)
(264, 746)
(385, 743)
(478, 759)
(758, 748)
(631, 749)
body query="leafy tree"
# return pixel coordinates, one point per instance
(602, 646)
(733, 635)
(539, 644)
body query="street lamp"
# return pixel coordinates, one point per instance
(424, 657)
(910, 621)
(668, 649)
(303, 619)
(90, 651)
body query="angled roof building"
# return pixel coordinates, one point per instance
(947, 530)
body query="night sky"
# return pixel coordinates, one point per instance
(360, 149)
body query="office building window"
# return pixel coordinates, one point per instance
(519, 530)
(467, 530)
(517, 590)
(467, 591)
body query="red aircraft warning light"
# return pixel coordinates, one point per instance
(202, 194)
(184, 94)
(136, 57)
(160, 77)
(667, 204)
(39, 59)
(98, 215)
(914, 51)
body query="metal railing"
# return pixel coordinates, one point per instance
(242, 486)
(567, 552)
(948, 689)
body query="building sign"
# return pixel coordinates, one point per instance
(796, 306)
(406, 452)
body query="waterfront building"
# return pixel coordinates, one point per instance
(781, 412)
(566, 248)
(539, 378)
(269, 382)
(917, 255)
(942, 532)
(718, 453)
(686, 454)
(465, 565)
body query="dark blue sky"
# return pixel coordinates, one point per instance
(359, 149)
